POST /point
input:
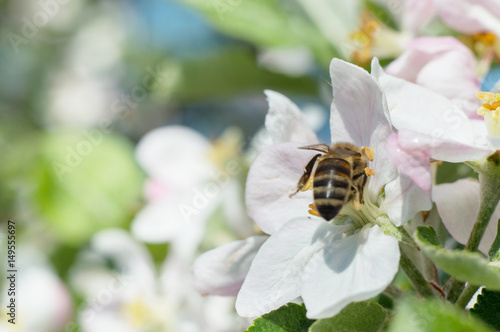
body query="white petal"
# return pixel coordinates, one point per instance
(285, 122)
(358, 107)
(350, 269)
(421, 110)
(167, 219)
(274, 276)
(359, 115)
(177, 155)
(234, 209)
(221, 271)
(458, 204)
(42, 298)
(271, 179)
(403, 199)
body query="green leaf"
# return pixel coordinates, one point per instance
(84, 182)
(488, 308)
(433, 316)
(356, 317)
(289, 318)
(464, 265)
(266, 23)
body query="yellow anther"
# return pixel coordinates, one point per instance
(368, 152)
(488, 97)
(313, 211)
(363, 38)
(486, 38)
(369, 171)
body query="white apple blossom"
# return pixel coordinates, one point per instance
(440, 130)
(328, 265)
(130, 296)
(221, 271)
(189, 177)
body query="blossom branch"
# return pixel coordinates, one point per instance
(416, 278)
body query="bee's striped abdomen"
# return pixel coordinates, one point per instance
(331, 186)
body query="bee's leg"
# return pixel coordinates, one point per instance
(313, 210)
(305, 182)
(356, 204)
(356, 201)
(368, 152)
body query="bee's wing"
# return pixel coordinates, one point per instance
(325, 148)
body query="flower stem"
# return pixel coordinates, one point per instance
(467, 294)
(393, 292)
(456, 289)
(416, 278)
(489, 186)
(489, 201)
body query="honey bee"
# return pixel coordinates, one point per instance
(336, 175)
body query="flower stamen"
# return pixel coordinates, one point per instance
(490, 111)
(313, 211)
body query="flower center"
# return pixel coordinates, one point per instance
(485, 38)
(489, 110)
(373, 39)
(363, 38)
(365, 215)
(136, 312)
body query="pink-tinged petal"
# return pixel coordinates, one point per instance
(458, 204)
(176, 155)
(470, 16)
(404, 199)
(422, 50)
(155, 189)
(285, 122)
(439, 148)
(344, 270)
(221, 271)
(274, 277)
(417, 13)
(271, 179)
(432, 61)
(413, 163)
(359, 115)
